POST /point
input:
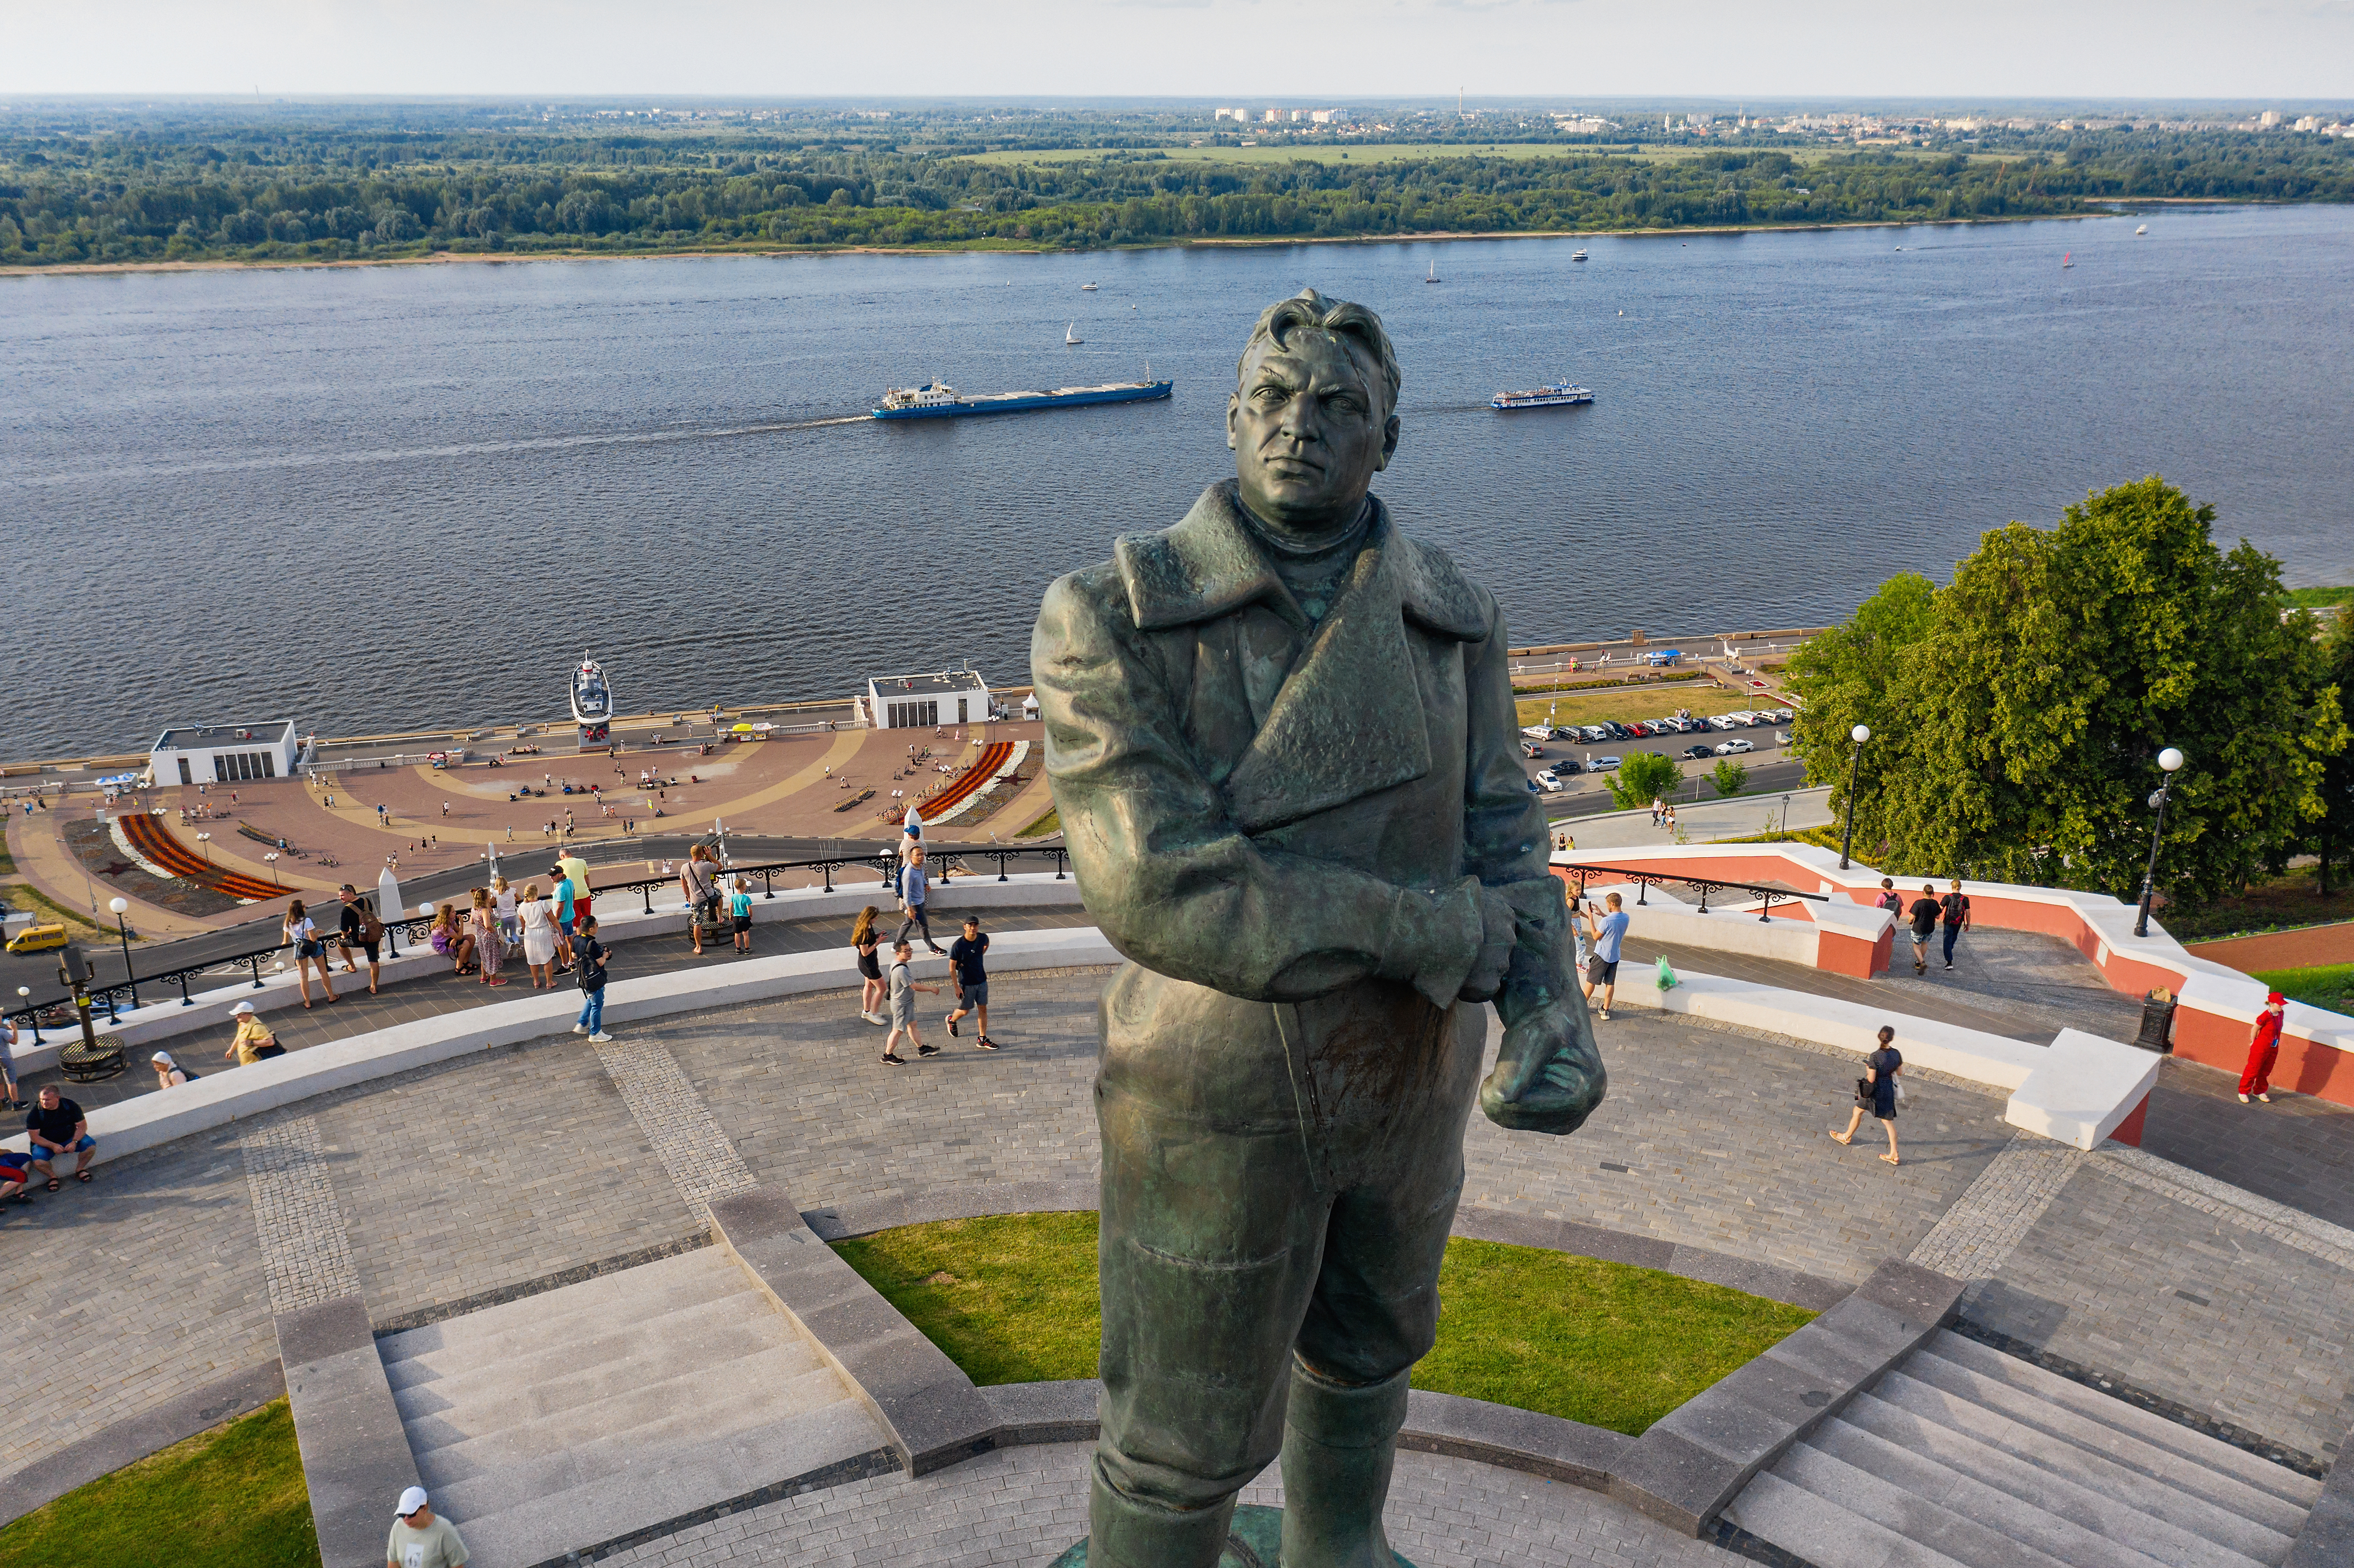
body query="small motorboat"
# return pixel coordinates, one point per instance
(2143, 229)
(1578, 256)
(1071, 334)
(1086, 288)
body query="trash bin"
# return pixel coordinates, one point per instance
(2156, 1023)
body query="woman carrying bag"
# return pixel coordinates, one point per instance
(254, 1042)
(1877, 1092)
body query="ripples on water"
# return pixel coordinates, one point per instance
(386, 497)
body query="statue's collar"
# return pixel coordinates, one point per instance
(1210, 565)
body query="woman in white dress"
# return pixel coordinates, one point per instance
(538, 935)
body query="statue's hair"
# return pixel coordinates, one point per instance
(1354, 325)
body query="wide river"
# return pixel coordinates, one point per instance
(385, 497)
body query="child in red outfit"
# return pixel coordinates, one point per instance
(2262, 1048)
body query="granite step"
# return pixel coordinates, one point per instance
(589, 1309)
(1781, 1512)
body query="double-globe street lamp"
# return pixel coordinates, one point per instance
(1859, 735)
(2169, 762)
(122, 907)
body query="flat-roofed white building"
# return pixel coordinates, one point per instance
(926, 701)
(224, 753)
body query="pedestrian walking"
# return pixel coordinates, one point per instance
(309, 951)
(10, 1038)
(971, 975)
(739, 914)
(589, 955)
(357, 923)
(1607, 929)
(538, 935)
(419, 1539)
(489, 943)
(903, 1007)
(1955, 908)
(1877, 1092)
(1889, 899)
(253, 1041)
(1668, 818)
(2263, 1050)
(169, 1073)
(1658, 810)
(864, 942)
(1924, 925)
(915, 888)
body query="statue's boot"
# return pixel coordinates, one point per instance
(1339, 1443)
(1126, 1533)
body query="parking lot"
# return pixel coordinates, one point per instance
(1570, 762)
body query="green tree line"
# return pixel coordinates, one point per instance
(317, 192)
(2017, 716)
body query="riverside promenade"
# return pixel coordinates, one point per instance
(2208, 1275)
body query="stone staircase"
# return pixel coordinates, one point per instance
(574, 1417)
(1965, 1458)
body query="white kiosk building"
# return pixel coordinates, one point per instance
(925, 702)
(224, 753)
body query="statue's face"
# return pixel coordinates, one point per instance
(1308, 431)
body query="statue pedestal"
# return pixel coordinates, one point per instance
(1254, 1540)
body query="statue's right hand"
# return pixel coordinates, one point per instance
(1498, 927)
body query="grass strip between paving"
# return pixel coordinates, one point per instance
(1011, 1298)
(232, 1495)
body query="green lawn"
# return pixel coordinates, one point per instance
(1012, 1300)
(2322, 985)
(1322, 153)
(1648, 701)
(232, 1495)
(2270, 904)
(2316, 597)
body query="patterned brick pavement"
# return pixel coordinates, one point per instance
(1025, 1506)
(1983, 1227)
(2187, 1304)
(306, 1249)
(145, 1284)
(702, 1163)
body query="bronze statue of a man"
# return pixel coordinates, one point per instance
(1281, 737)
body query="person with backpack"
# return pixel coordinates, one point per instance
(698, 879)
(169, 1073)
(588, 956)
(1956, 906)
(358, 923)
(903, 1006)
(1924, 925)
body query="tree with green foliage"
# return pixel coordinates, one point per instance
(1643, 778)
(2333, 831)
(1728, 776)
(2017, 717)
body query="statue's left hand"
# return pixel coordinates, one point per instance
(1549, 1075)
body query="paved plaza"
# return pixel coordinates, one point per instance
(2209, 1276)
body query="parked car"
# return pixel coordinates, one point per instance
(1785, 715)
(1568, 767)
(1532, 750)
(1700, 751)
(1722, 721)
(1567, 732)
(1639, 729)
(1760, 719)
(1781, 737)
(38, 938)
(1537, 731)
(1593, 732)
(1734, 748)
(1551, 782)
(1604, 764)
(1742, 716)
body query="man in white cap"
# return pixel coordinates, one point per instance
(419, 1540)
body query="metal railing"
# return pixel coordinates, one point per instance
(418, 929)
(1647, 880)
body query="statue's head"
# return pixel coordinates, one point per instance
(1313, 417)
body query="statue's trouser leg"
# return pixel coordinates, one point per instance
(1339, 1443)
(1211, 1244)
(1374, 1314)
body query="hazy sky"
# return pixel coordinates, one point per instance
(1291, 50)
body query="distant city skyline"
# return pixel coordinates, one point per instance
(1320, 51)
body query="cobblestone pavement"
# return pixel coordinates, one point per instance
(143, 1285)
(1984, 1226)
(702, 1163)
(1025, 1506)
(306, 1249)
(2184, 1303)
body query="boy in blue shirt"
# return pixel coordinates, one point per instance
(739, 907)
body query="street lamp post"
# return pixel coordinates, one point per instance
(2169, 762)
(1859, 735)
(207, 840)
(25, 993)
(122, 907)
(272, 858)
